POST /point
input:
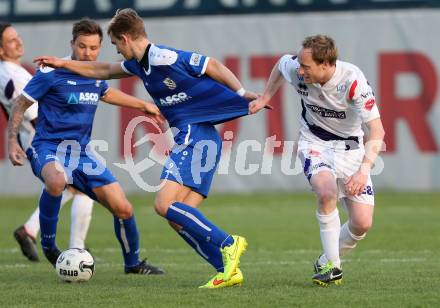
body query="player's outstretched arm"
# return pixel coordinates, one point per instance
(16, 153)
(116, 97)
(274, 83)
(355, 184)
(219, 72)
(91, 69)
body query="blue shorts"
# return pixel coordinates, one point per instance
(84, 171)
(194, 157)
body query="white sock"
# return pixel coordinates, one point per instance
(32, 225)
(67, 195)
(330, 226)
(322, 259)
(347, 240)
(81, 215)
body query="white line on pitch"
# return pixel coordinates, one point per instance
(247, 264)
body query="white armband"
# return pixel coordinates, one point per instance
(241, 92)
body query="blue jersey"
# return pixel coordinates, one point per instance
(175, 80)
(67, 104)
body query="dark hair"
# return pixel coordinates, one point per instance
(3, 27)
(126, 21)
(86, 26)
(323, 48)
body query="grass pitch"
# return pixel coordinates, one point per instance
(397, 265)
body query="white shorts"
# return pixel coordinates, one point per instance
(317, 155)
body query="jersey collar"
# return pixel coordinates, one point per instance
(145, 61)
(335, 78)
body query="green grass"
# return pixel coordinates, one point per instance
(397, 265)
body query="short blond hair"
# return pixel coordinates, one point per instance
(126, 21)
(323, 48)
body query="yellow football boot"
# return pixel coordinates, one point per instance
(231, 256)
(218, 282)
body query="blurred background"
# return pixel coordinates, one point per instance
(393, 42)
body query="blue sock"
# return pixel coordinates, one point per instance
(193, 221)
(206, 250)
(128, 237)
(49, 209)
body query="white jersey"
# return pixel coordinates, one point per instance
(13, 79)
(341, 105)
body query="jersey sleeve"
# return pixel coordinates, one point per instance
(288, 67)
(39, 85)
(129, 66)
(362, 97)
(20, 81)
(104, 87)
(194, 63)
(31, 113)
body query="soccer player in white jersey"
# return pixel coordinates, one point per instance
(336, 100)
(13, 78)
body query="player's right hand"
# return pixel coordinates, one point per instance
(48, 61)
(16, 154)
(153, 112)
(258, 104)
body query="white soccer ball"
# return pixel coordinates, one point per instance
(75, 265)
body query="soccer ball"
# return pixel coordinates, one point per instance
(75, 265)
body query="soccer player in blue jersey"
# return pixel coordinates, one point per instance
(193, 92)
(60, 153)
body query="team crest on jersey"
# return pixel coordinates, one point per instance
(341, 88)
(97, 83)
(169, 83)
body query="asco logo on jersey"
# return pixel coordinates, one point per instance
(84, 98)
(174, 99)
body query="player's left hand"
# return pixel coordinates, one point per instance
(16, 154)
(153, 112)
(355, 184)
(48, 61)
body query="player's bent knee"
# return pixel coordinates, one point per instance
(161, 206)
(327, 197)
(55, 186)
(124, 211)
(361, 227)
(160, 209)
(122, 214)
(364, 227)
